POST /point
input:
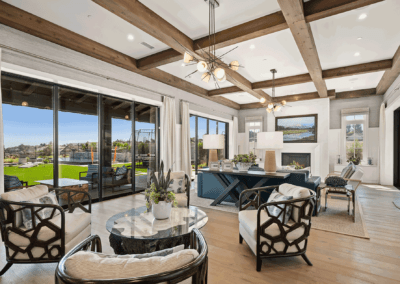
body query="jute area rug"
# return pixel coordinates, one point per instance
(335, 219)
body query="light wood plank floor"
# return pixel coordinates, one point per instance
(336, 258)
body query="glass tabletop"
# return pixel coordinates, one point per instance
(137, 224)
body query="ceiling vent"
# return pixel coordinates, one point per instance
(147, 45)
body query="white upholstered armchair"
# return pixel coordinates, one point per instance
(276, 235)
(35, 229)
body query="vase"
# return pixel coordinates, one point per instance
(162, 210)
(243, 167)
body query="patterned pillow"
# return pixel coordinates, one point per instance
(49, 198)
(177, 186)
(345, 170)
(336, 181)
(120, 172)
(11, 181)
(163, 252)
(275, 211)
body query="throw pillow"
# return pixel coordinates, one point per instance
(27, 218)
(163, 252)
(11, 181)
(351, 171)
(49, 198)
(276, 211)
(336, 181)
(121, 172)
(176, 186)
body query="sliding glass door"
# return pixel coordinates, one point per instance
(67, 137)
(200, 126)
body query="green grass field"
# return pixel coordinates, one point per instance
(294, 131)
(43, 172)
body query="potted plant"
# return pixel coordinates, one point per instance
(356, 160)
(244, 161)
(159, 199)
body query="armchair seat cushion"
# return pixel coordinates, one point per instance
(248, 230)
(182, 199)
(89, 265)
(74, 224)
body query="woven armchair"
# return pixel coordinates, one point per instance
(268, 236)
(49, 238)
(197, 269)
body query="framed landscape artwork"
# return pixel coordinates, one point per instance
(298, 129)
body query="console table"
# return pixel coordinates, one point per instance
(231, 187)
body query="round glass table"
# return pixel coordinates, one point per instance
(136, 232)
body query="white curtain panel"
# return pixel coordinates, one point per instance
(168, 134)
(235, 131)
(1, 138)
(382, 126)
(185, 143)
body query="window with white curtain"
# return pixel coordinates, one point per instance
(354, 133)
(254, 125)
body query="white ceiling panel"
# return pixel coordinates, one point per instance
(180, 70)
(356, 82)
(293, 89)
(90, 20)
(337, 37)
(274, 51)
(191, 16)
(241, 98)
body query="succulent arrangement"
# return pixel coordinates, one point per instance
(244, 158)
(296, 165)
(158, 190)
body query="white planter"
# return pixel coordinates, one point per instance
(243, 167)
(162, 210)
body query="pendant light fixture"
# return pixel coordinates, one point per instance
(274, 107)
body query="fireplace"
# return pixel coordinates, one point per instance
(302, 159)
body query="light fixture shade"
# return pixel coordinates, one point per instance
(263, 100)
(269, 110)
(270, 105)
(219, 73)
(24, 104)
(234, 65)
(270, 140)
(277, 108)
(126, 116)
(222, 80)
(214, 141)
(202, 66)
(283, 102)
(206, 77)
(187, 57)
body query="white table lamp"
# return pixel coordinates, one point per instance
(270, 141)
(213, 142)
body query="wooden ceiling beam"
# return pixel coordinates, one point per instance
(332, 94)
(145, 19)
(28, 23)
(28, 91)
(293, 12)
(313, 10)
(389, 76)
(351, 70)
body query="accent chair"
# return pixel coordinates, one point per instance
(279, 235)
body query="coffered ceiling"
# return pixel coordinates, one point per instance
(345, 32)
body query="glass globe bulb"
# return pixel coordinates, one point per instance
(222, 80)
(219, 73)
(234, 65)
(268, 110)
(263, 100)
(270, 105)
(24, 104)
(283, 102)
(277, 108)
(202, 66)
(206, 77)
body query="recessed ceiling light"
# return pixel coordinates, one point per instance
(359, 38)
(357, 54)
(362, 16)
(183, 64)
(252, 46)
(131, 37)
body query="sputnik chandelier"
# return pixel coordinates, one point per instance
(211, 66)
(274, 107)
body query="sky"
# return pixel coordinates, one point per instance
(32, 126)
(202, 125)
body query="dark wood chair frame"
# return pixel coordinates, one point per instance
(198, 268)
(251, 198)
(8, 224)
(24, 185)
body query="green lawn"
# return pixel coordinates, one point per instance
(43, 172)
